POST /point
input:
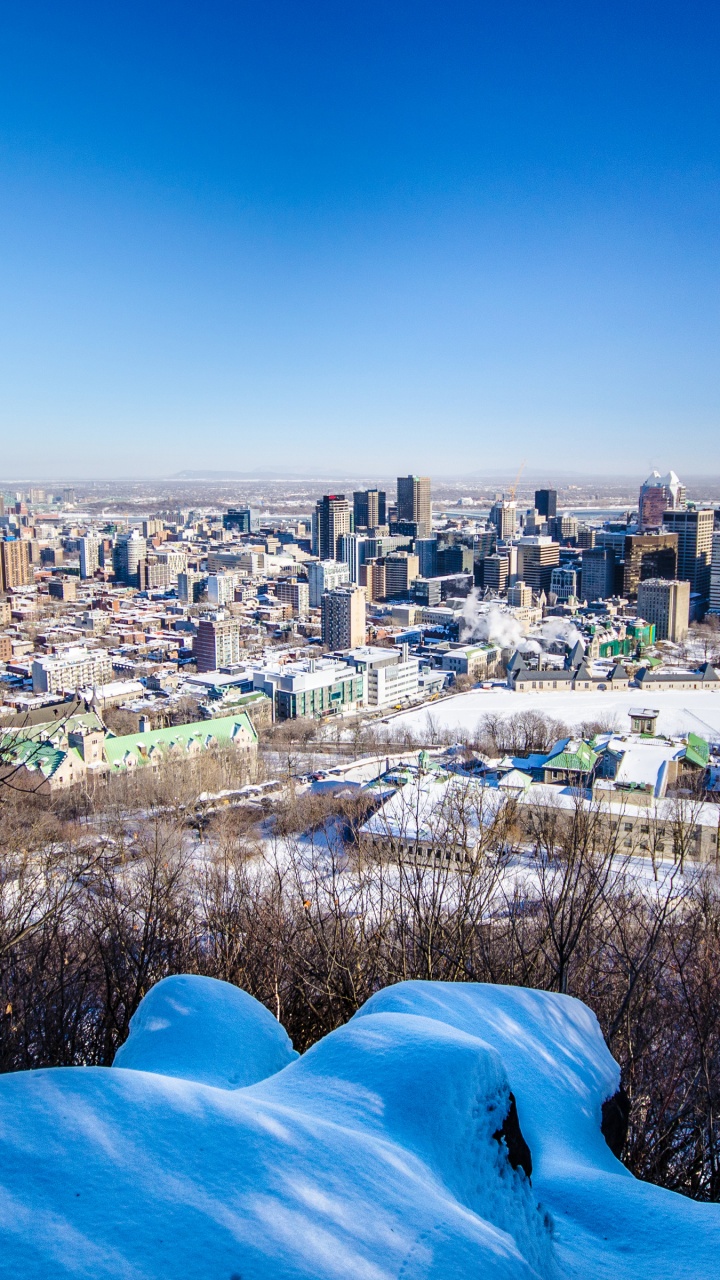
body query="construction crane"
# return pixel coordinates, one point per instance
(517, 479)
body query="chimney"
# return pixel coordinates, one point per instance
(144, 725)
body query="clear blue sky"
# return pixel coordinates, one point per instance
(291, 233)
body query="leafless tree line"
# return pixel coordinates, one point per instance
(312, 923)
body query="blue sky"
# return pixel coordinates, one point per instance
(359, 236)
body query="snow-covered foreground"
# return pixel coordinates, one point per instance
(376, 1155)
(680, 712)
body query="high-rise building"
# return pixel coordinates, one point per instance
(294, 593)
(494, 572)
(89, 555)
(597, 573)
(667, 604)
(332, 520)
(426, 550)
(537, 557)
(648, 555)
(715, 574)
(217, 644)
(325, 575)
(74, 668)
(694, 529)
(504, 516)
(239, 518)
(519, 596)
(129, 550)
(414, 504)
(370, 508)
(352, 551)
(564, 582)
(15, 570)
(546, 503)
(343, 618)
(188, 585)
(657, 495)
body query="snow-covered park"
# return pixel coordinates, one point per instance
(680, 712)
(448, 1131)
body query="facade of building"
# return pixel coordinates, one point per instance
(537, 557)
(343, 617)
(332, 519)
(129, 550)
(657, 495)
(318, 687)
(296, 594)
(564, 582)
(390, 676)
(216, 644)
(693, 528)
(89, 555)
(519, 595)
(477, 661)
(648, 555)
(546, 503)
(369, 508)
(715, 574)
(504, 516)
(74, 669)
(414, 503)
(666, 603)
(325, 575)
(15, 568)
(597, 573)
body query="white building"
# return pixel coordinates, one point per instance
(390, 675)
(221, 589)
(74, 669)
(89, 555)
(715, 575)
(325, 575)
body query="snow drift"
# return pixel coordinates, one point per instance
(390, 1149)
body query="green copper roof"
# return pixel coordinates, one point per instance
(577, 757)
(141, 748)
(697, 751)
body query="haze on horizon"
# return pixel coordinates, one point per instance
(333, 237)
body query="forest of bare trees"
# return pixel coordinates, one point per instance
(93, 911)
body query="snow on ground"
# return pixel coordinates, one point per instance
(375, 1156)
(680, 712)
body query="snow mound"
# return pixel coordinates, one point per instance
(387, 1152)
(207, 1031)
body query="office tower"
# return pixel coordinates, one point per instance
(296, 594)
(537, 557)
(325, 575)
(694, 529)
(68, 496)
(129, 550)
(426, 550)
(563, 528)
(188, 585)
(15, 570)
(648, 555)
(414, 504)
(217, 644)
(546, 503)
(504, 516)
(332, 520)
(239, 518)
(493, 572)
(89, 555)
(519, 596)
(370, 508)
(657, 495)
(563, 582)
(352, 551)
(597, 573)
(343, 618)
(715, 574)
(667, 605)
(454, 559)
(150, 528)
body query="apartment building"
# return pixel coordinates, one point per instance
(693, 528)
(343, 617)
(73, 669)
(15, 568)
(666, 603)
(325, 575)
(216, 644)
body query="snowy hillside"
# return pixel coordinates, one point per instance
(390, 1150)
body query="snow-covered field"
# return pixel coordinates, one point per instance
(680, 712)
(389, 1151)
